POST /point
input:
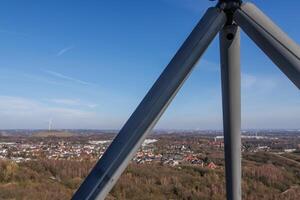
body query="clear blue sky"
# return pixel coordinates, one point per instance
(87, 64)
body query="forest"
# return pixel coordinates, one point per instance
(265, 176)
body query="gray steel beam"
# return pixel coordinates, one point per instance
(282, 50)
(114, 161)
(231, 100)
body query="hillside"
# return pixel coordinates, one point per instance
(54, 134)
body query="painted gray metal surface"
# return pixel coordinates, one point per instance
(231, 101)
(282, 50)
(114, 161)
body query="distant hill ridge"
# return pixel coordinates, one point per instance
(53, 134)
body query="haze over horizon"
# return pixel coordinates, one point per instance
(63, 60)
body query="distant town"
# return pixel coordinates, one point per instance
(202, 148)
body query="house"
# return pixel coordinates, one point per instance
(211, 165)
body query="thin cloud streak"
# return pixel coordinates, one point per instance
(64, 50)
(68, 78)
(20, 112)
(208, 65)
(73, 102)
(259, 83)
(41, 79)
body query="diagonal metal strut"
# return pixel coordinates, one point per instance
(276, 44)
(116, 158)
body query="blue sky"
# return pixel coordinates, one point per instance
(87, 64)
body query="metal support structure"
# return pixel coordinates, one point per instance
(116, 158)
(282, 50)
(231, 100)
(276, 44)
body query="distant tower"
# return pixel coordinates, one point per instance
(50, 124)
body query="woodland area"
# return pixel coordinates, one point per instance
(265, 176)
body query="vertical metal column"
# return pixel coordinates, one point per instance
(231, 99)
